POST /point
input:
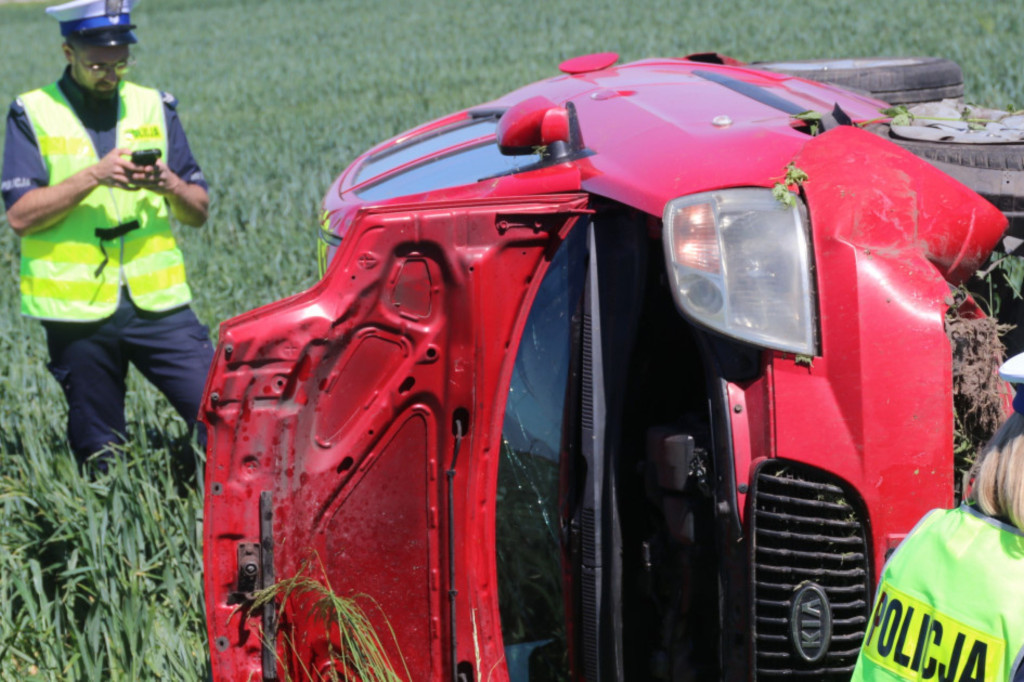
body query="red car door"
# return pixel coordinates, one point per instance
(354, 432)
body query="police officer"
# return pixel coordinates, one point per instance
(950, 604)
(99, 264)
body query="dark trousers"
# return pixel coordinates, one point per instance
(90, 361)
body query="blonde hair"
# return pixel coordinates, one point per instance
(998, 474)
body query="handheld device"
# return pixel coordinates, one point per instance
(145, 157)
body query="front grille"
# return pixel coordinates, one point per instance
(807, 538)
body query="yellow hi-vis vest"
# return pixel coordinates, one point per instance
(950, 606)
(67, 272)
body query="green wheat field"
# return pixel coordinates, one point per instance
(102, 579)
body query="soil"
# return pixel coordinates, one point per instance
(980, 397)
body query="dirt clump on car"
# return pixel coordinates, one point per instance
(979, 396)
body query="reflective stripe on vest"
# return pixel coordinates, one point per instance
(948, 607)
(59, 265)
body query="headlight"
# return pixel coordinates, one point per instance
(739, 262)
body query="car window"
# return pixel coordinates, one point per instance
(425, 145)
(462, 167)
(530, 521)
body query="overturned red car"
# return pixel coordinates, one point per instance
(635, 373)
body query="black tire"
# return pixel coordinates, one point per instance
(896, 80)
(995, 171)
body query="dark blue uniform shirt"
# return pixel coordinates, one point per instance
(24, 169)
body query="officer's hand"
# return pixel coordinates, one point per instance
(113, 169)
(156, 178)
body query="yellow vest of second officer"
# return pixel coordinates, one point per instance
(63, 275)
(950, 606)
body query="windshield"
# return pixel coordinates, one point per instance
(531, 496)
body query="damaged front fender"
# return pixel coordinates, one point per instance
(876, 196)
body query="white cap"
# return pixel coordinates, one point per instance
(97, 22)
(1013, 369)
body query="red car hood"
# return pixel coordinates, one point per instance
(687, 133)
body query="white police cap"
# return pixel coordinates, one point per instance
(96, 22)
(1013, 369)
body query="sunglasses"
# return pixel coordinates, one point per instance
(120, 67)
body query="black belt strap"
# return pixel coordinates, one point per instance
(107, 233)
